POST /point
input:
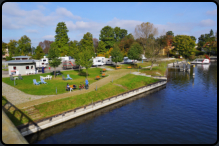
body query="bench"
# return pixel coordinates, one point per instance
(71, 86)
(103, 75)
(129, 67)
(97, 77)
(104, 69)
(118, 67)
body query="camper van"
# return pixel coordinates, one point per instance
(98, 61)
(69, 64)
(40, 64)
(108, 60)
(45, 60)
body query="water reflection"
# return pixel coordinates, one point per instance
(88, 117)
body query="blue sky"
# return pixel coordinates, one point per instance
(38, 20)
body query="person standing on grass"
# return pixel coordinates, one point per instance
(86, 84)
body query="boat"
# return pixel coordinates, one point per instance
(201, 61)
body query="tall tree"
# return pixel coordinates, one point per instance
(86, 59)
(116, 55)
(101, 48)
(184, 45)
(61, 37)
(54, 57)
(73, 47)
(24, 45)
(38, 53)
(12, 47)
(45, 45)
(87, 43)
(107, 36)
(126, 42)
(144, 31)
(135, 51)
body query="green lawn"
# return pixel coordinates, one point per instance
(111, 89)
(26, 85)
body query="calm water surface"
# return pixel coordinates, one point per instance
(183, 112)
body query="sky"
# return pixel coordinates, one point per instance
(38, 20)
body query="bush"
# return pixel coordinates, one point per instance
(191, 57)
(197, 53)
(8, 58)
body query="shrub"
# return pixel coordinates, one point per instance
(191, 57)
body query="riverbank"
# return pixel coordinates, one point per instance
(64, 116)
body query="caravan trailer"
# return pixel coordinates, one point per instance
(98, 61)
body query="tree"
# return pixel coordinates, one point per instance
(119, 33)
(135, 51)
(116, 55)
(144, 31)
(87, 43)
(33, 50)
(53, 55)
(184, 45)
(170, 33)
(101, 48)
(4, 47)
(61, 37)
(45, 45)
(12, 47)
(86, 59)
(193, 38)
(24, 45)
(125, 43)
(95, 42)
(73, 47)
(39, 53)
(107, 36)
(154, 48)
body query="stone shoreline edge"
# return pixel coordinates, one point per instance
(65, 116)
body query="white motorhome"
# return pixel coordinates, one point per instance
(45, 60)
(66, 58)
(40, 64)
(98, 61)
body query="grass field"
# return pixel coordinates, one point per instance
(111, 89)
(26, 85)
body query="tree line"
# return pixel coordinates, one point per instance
(115, 42)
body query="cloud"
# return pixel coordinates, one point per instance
(48, 37)
(12, 8)
(214, 12)
(8, 24)
(65, 12)
(207, 22)
(32, 31)
(41, 7)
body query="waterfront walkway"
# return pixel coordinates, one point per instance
(22, 100)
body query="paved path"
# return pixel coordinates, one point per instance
(23, 100)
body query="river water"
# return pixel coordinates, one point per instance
(182, 112)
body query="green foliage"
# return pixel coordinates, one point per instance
(135, 51)
(107, 36)
(61, 38)
(184, 45)
(73, 47)
(87, 43)
(119, 34)
(4, 46)
(38, 53)
(170, 33)
(116, 55)
(101, 48)
(193, 38)
(24, 45)
(86, 59)
(12, 47)
(53, 55)
(9, 58)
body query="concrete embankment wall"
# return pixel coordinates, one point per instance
(10, 134)
(43, 124)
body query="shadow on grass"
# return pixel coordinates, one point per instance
(11, 111)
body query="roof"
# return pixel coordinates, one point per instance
(20, 61)
(21, 57)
